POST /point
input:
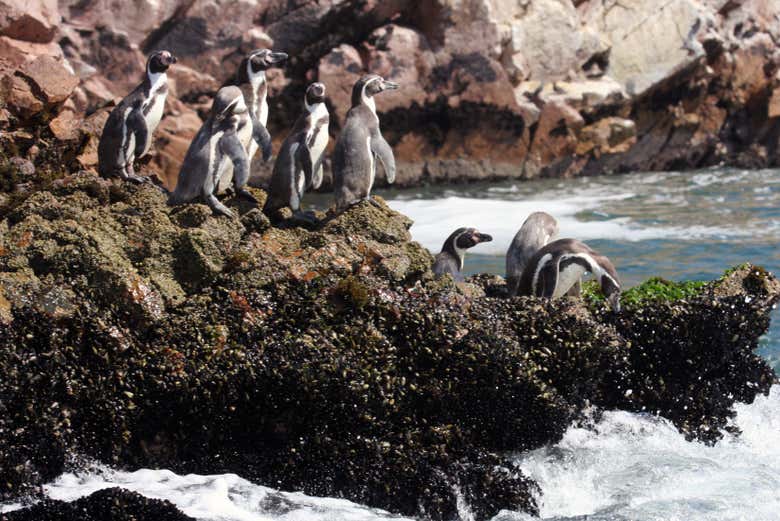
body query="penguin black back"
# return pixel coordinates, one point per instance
(537, 230)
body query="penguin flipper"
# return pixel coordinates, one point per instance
(137, 124)
(303, 159)
(231, 146)
(262, 138)
(384, 152)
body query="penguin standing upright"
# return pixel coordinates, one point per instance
(251, 79)
(299, 164)
(360, 144)
(215, 143)
(451, 258)
(537, 230)
(558, 266)
(127, 134)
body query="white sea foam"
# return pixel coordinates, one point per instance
(708, 205)
(224, 497)
(627, 467)
(640, 468)
(434, 219)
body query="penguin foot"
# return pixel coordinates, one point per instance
(308, 217)
(133, 178)
(219, 208)
(374, 202)
(246, 194)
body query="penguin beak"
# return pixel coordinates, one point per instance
(482, 237)
(389, 85)
(614, 301)
(277, 57)
(172, 60)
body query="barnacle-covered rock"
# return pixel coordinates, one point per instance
(327, 359)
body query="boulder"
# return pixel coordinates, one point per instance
(29, 20)
(52, 81)
(631, 26)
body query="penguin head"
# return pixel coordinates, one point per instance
(263, 59)
(369, 86)
(461, 240)
(228, 102)
(469, 237)
(610, 284)
(159, 62)
(315, 93)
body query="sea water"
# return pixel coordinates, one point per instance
(682, 226)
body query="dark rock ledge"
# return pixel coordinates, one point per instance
(327, 361)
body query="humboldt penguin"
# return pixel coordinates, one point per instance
(298, 166)
(127, 134)
(450, 260)
(556, 267)
(216, 143)
(250, 78)
(537, 230)
(360, 144)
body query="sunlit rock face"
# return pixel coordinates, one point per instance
(697, 79)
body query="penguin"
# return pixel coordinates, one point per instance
(298, 166)
(360, 144)
(450, 260)
(250, 78)
(537, 230)
(216, 142)
(127, 134)
(556, 267)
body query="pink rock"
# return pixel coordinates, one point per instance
(29, 20)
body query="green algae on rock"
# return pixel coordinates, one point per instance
(326, 360)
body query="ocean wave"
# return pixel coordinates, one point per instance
(632, 466)
(434, 219)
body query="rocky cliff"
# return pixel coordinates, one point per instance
(491, 88)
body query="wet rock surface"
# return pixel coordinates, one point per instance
(110, 504)
(326, 360)
(492, 89)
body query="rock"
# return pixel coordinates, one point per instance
(607, 136)
(92, 129)
(50, 78)
(201, 329)
(111, 503)
(19, 97)
(634, 63)
(172, 140)
(555, 139)
(65, 126)
(29, 20)
(16, 53)
(402, 55)
(339, 70)
(774, 104)
(189, 84)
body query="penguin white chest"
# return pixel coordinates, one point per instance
(567, 278)
(263, 112)
(154, 107)
(245, 134)
(215, 169)
(317, 148)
